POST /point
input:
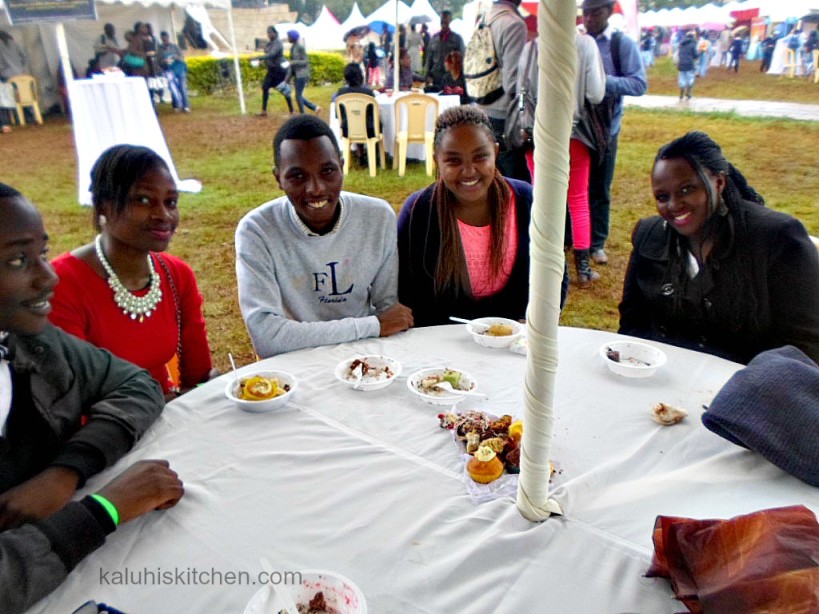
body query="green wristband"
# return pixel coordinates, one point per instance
(109, 507)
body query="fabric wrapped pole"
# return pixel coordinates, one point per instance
(557, 61)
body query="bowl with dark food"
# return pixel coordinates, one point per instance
(372, 372)
(494, 332)
(424, 384)
(632, 358)
(314, 591)
(262, 391)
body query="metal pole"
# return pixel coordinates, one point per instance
(65, 61)
(396, 83)
(236, 58)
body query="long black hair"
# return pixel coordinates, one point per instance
(703, 154)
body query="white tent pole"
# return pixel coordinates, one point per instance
(396, 65)
(557, 61)
(174, 38)
(236, 67)
(65, 61)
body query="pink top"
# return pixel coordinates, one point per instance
(83, 305)
(476, 241)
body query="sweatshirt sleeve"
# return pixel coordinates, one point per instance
(271, 329)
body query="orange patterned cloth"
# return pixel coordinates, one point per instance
(767, 561)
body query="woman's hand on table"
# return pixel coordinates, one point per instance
(145, 486)
(38, 497)
(396, 319)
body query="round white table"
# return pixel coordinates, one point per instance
(366, 484)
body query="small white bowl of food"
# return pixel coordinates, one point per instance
(318, 591)
(632, 358)
(368, 373)
(424, 384)
(262, 391)
(494, 332)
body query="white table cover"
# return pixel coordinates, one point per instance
(366, 484)
(110, 110)
(386, 109)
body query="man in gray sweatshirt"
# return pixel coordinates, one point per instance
(317, 266)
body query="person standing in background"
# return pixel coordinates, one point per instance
(768, 45)
(439, 47)
(300, 67)
(175, 71)
(107, 49)
(509, 35)
(276, 71)
(414, 43)
(625, 76)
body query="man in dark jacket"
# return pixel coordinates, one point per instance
(687, 55)
(67, 411)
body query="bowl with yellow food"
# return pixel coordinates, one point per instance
(262, 391)
(494, 332)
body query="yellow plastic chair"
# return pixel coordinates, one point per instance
(790, 63)
(355, 110)
(816, 65)
(412, 116)
(25, 94)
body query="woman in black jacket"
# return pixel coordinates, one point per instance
(717, 271)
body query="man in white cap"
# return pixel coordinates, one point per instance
(625, 76)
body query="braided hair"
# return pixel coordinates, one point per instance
(703, 154)
(451, 270)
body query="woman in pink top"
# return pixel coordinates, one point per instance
(463, 242)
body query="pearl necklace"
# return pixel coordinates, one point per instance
(135, 306)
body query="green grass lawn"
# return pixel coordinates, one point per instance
(231, 154)
(747, 84)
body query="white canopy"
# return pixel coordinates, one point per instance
(386, 13)
(422, 8)
(325, 33)
(355, 20)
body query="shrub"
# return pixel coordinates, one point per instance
(207, 75)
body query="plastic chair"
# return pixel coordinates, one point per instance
(356, 107)
(790, 63)
(816, 65)
(25, 94)
(415, 108)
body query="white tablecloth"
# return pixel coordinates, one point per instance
(111, 110)
(386, 108)
(368, 485)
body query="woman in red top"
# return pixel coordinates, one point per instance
(119, 292)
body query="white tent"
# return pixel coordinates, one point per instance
(422, 8)
(386, 13)
(326, 32)
(39, 40)
(355, 20)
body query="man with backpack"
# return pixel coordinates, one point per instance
(508, 34)
(625, 75)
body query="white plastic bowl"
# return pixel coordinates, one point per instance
(478, 327)
(285, 379)
(340, 593)
(369, 382)
(441, 397)
(636, 359)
